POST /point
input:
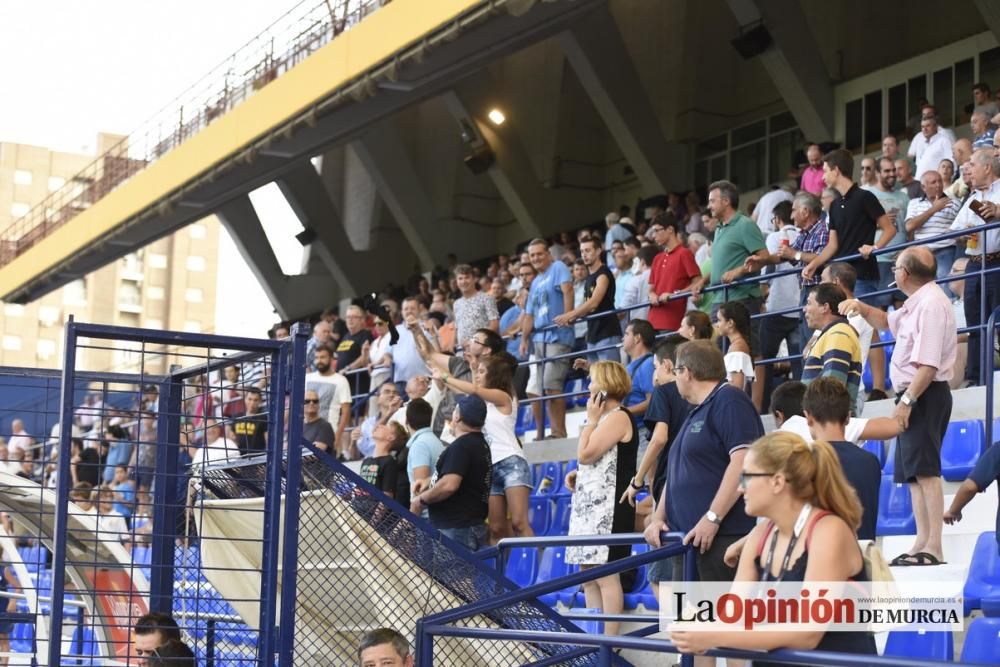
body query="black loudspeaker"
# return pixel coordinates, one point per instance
(480, 159)
(306, 236)
(752, 42)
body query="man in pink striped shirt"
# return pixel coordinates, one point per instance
(923, 361)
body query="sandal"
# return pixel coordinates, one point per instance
(899, 560)
(921, 558)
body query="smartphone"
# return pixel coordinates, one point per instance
(976, 206)
(601, 397)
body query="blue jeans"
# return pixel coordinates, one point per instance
(613, 354)
(973, 317)
(472, 538)
(945, 257)
(865, 286)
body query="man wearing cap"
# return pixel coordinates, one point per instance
(458, 501)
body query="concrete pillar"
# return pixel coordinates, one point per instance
(292, 296)
(793, 62)
(597, 53)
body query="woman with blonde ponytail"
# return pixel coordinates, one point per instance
(802, 492)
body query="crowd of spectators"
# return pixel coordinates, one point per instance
(450, 357)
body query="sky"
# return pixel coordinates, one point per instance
(76, 68)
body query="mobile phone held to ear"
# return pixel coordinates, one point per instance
(601, 397)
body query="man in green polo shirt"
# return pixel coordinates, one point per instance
(737, 237)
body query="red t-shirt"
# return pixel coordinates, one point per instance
(671, 271)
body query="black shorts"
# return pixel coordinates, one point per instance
(918, 448)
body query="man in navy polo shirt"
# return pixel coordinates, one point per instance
(701, 497)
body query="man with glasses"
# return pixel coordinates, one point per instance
(673, 270)
(923, 362)
(869, 174)
(315, 429)
(349, 356)
(835, 350)
(701, 496)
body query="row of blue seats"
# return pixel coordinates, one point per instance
(963, 444)
(526, 567)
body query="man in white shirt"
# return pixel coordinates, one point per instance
(985, 198)
(19, 438)
(110, 523)
(334, 393)
(786, 407)
(764, 210)
(930, 146)
(219, 448)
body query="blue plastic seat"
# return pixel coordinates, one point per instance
(876, 447)
(982, 641)
(550, 481)
(83, 643)
(540, 514)
(890, 459)
(522, 566)
(552, 566)
(525, 421)
(22, 638)
(991, 606)
(566, 468)
(641, 593)
(920, 644)
(560, 518)
(895, 510)
(963, 444)
(984, 573)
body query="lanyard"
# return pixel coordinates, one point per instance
(796, 531)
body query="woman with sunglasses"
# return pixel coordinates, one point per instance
(512, 482)
(379, 359)
(812, 514)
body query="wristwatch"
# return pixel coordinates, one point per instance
(907, 400)
(713, 517)
(798, 256)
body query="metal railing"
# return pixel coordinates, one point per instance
(446, 624)
(288, 41)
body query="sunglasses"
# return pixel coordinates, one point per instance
(311, 400)
(746, 476)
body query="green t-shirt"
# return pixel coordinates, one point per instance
(734, 242)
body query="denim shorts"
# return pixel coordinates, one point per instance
(472, 538)
(510, 472)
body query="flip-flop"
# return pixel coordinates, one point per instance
(900, 560)
(921, 559)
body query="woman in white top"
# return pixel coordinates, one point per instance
(512, 483)
(379, 360)
(733, 322)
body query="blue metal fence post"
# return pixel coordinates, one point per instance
(293, 479)
(272, 509)
(62, 494)
(984, 345)
(424, 646)
(167, 502)
(605, 656)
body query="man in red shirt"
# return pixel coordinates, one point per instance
(673, 270)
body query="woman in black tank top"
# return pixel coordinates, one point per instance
(812, 514)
